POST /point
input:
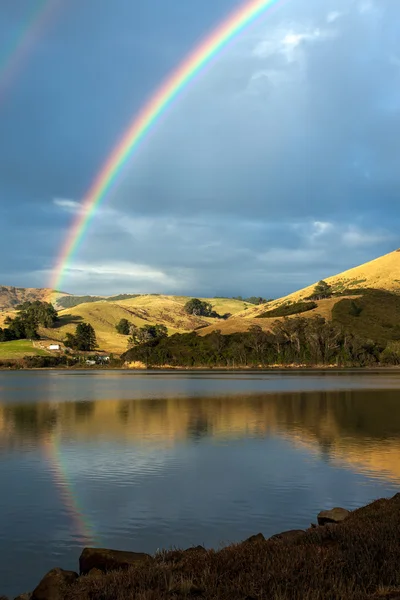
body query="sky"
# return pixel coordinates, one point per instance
(276, 167)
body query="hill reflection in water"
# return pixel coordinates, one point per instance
(358, 428)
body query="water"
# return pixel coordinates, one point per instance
(141, 461)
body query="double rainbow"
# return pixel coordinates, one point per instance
(143, 122)
(107, 176)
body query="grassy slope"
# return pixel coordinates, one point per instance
(103, 316)
(380, 273)
(353, 560)
(379, 319)
(19, 349)
(243, 320)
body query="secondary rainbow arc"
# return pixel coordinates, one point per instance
(145, 119)
(34, 25)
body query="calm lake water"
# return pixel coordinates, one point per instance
(140, 461)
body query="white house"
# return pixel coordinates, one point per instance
(54, 347)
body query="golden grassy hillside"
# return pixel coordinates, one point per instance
(147, 309)
(381, 273)
(243, 320)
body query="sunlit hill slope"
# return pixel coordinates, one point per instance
(142, 310)
(382, 273)
(379, 319)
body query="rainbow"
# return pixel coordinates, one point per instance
(83, 530)
(31, 29)
(143, 122)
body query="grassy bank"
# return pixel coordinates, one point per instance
(17, 349)
(357, 559)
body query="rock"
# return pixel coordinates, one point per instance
(335, 515)
(258, 537)
(25, 596)
(3, 598)
(290, 535)
(313, 525)
(51, 586)
(109, 560)
(196, 549)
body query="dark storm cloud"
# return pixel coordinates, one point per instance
(277, 166)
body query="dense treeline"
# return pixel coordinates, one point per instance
(288, 309)
(30, 316)
(298, 340)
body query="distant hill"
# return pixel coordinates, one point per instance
(10, 296)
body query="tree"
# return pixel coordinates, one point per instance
(147, 333)
(321, 290)
(256, 300)
(29, 317)
(84, 338)
(198, 308)
(123, 327)
(39, 313)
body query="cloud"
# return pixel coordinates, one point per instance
(366, 6)
(355, 237)
(287, 41)
(333, 16)
(108, 277)
(276, 167)
(70, 206)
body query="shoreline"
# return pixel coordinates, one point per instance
(270, 368)
(348, 555)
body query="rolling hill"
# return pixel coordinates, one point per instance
(140, 310)
(382, 273)
(12, 296)
(380, 309)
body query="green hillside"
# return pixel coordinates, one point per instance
(19, 349)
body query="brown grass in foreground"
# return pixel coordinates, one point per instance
(358, 559)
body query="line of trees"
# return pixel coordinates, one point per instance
(252, 299)
(297, 340)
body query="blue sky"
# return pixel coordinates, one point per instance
(277, 166)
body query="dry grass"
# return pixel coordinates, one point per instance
(381, 273)
(103, 316)
(356, 560)
(243, 320)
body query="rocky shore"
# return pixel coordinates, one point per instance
(346, 555)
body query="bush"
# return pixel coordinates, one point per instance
(391, 354)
